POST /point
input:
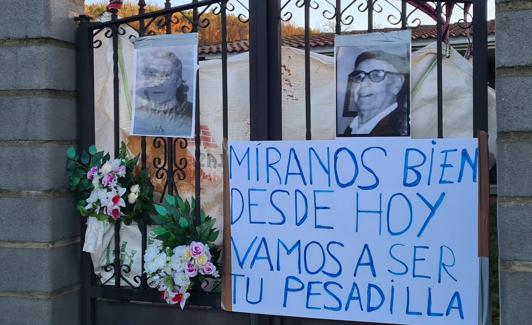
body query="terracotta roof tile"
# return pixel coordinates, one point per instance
(423, 32)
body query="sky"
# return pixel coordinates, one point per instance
(317, 20)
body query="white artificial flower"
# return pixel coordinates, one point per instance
(135, 188)
(177, 263)
(93, 197)
(184, 300)
(96, 181)
(115, 164)
(106, 168)
(180, 251)
(181, 280)
(157, 263)
(132, 198)
(151, 252)
(154, 281)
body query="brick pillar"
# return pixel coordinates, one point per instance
(39, 236)
(514, 114)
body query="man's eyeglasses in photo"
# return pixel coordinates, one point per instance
(358, 76)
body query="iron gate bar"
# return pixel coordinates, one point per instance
(480, 67)
(85, 120)
(197, 130)
(225, 101)
(308, 124)
(338, 17)
(265, 70)
(116, 124)
(143, 158)
(369, 6)
(439, 60)
(403, 15)
(170, 154)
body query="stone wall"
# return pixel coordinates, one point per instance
(39, 228)
(514, 114)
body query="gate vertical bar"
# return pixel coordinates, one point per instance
(258, 70)
(370, 16)
(225, 101)
(143, 153)
(480, 67)
(142, 6)
(265, 78)
(197, 130)
(116, 123)
(275, 118)
(265, 70)
(404, 23)
(170, 155)
(308, 122)
(338, 17)
(439, 59)
(85, 120)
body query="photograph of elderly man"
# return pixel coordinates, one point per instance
(375, 98)
(164, 91)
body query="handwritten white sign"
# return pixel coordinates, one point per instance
(371, 229)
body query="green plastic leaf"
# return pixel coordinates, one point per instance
(170, 199)
(160, 231)
(161, 210)
(159, 220)
(213, 236)
(85, 158)
(71, 153)
(75, 181)
(180, 204)
(84, 184)
(92, 150)
(183, 223)
(203, 216)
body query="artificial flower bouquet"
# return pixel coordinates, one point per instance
(111, 192)
(110, 189)
(181, 256)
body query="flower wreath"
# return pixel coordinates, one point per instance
(110, 189)
(182, 255)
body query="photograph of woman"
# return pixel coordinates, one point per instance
(165, 86)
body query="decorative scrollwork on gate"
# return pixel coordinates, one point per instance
(180, 164)
(243, 18)
(160, 164)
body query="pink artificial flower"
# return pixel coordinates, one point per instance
(208, 269)
(108, 179)
(191, 270)
(91, 173)
(115, 213)
(177, 298)
(196, 249)
(116, 199)
(173, 297)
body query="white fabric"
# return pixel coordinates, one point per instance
(457, 98)
(99, 242)
(367, 127)
(94, 236)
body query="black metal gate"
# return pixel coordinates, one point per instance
(117, 304)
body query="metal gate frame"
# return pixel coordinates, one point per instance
(265, 17)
